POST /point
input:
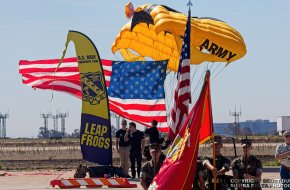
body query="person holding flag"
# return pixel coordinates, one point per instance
(247, 169)
(222, 166)
(150, 169)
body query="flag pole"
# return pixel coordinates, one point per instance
(212, 137)
(213, 157)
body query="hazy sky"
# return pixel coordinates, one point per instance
(34, 29)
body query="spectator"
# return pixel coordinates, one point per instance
(283, 155)
(136, 138)
(123, 147)
(153, 133)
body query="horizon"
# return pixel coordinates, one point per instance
(33, 30)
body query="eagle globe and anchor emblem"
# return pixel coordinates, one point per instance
(93, 87)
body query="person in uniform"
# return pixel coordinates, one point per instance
(247, 169)
(198, 181)
(151, 168)
(283, 155)
(222, 166)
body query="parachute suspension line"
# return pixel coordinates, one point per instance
(169, 91)
(168, 73)
(197, 89)
(214, 70)
(218, 73)
(198, 86)
(192, 81)
(117, 58)
(211, 66)
(195, 70)
(207, 63)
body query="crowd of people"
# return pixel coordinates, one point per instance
(246, 169)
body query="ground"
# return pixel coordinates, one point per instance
(33, 154)
(33, 163)
(36, 180)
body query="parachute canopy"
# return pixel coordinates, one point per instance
(156, 31)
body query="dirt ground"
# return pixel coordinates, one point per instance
(34, 154)
(33, 163)
(40, 180)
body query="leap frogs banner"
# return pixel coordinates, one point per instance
(95, 136)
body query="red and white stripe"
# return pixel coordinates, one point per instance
(41, 74)
(92, 182)
(182, 98)
(141, 111)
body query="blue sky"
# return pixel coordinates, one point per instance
(34, 29)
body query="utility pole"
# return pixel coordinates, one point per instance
(117, 119)
(117, 123)
(236, 123)
(45, 123)
(55, 121)
(3, 118)
(62, 117)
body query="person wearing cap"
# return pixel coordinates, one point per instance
(222, 166)
(247, 169)
(151, 168)
(123, 146)
(283, 155)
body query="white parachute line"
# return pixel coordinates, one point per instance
(169, 85)
(214, 77)
(214, 70)
(207, 63)
(195, 70)
(117, 58)
(193, 82)
(198, 86)
(212, 65)
(205, 66)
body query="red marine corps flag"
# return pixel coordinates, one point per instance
(178, 170)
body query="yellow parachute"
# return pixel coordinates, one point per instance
(156, 31)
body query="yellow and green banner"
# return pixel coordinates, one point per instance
(95, 136)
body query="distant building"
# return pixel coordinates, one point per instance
(260, 127)
(283, 124)
(254, 127)
(220, 128)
